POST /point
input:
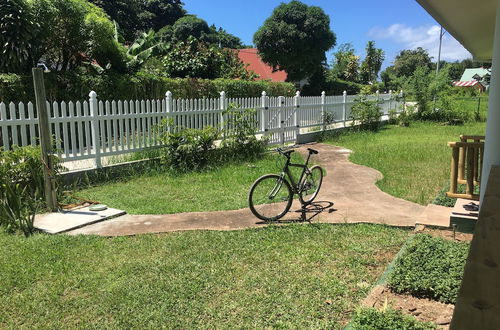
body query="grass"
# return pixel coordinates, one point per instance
(415, 160)
(162, 192)
(295, 276)
(431, 268)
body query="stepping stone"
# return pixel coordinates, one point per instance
(435, 216)
(60, 222)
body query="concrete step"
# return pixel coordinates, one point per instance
(465, 221)
(435, 216)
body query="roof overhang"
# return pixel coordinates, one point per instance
(472, 23)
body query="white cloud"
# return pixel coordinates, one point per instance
(426, 37)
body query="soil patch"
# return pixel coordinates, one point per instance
(423, 309)
(448, 234)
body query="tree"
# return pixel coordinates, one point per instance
(372, 63)
(190, 26)
(346, 63)
(73, 31)
(196, 59)
(136, 16)
(295, 39)
(407, 61)
(224, 39)
(17, 36)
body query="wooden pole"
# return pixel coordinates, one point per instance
(45, 139)
(454, 171)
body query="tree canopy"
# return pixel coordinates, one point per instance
(346, 63)
(407, 61)
(295, 38)
(372, 63)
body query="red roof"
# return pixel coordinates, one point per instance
(252, 58)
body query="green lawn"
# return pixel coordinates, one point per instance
(223, 188)
(296, 276)
(415, 160)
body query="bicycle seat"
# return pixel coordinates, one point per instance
(312, 151)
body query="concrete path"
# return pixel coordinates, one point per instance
(348, 195)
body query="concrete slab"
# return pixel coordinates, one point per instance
(460, 211)
(60, 222)
(435, 216)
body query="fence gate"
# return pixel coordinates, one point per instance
(281, 121)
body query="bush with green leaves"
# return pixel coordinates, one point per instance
(430, 268)
(21, 187)
(388, 319)
(186, 149)
(366, 112)
(238, 139)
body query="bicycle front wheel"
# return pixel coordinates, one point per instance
(311, 185)
(270, 197)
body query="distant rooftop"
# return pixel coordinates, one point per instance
(470, 73)
(251, 57)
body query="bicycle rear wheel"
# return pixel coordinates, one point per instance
(311, 185)
(270, 197)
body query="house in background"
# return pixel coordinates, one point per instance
(477, 78)
(254, 63)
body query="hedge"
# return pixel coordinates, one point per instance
(74, 86)
(390, 319)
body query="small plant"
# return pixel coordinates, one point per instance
(18, 209)
(238, 139)
(430, 268)
(328, 118)
(367, 113)
(387, 319)
(186, 149)
(393, 117)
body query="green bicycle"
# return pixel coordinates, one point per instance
(271, 195)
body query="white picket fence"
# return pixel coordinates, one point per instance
(95, 128)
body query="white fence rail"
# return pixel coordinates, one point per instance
(95, 128)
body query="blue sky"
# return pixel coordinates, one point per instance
(393, 24)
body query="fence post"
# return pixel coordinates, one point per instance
(263, 104)
(168, 109)
(401, 97)
(378, 95)
(296, 103)
(281, 129)
(344, 108)
(222, 106)
(323, 101)
(94, 124)
(45, 139)
(390, 99)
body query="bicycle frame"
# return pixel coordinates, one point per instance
(296, 187)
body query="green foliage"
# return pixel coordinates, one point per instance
(21, 187)
(142, 85)
(372, 63)
(367, 113)
(295, 39)
(239, 140)
(335, 86)
(190, 26)
(389, 319)
(345, 63)
(197, 59)
(407, 62)
(136, 16)
(17, 38)
(186, 149)
(430, 268)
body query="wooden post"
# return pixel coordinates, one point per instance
(470, 171)
(94, 125)
(454, 168)
(45, 139)
(281, 126)
(263, 111)
(461, 160)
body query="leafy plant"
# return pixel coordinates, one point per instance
(367, 113)
(388, 319)
(18, 208)
(430, 268)
(186, 149)
(239, 140)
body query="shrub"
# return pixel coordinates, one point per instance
(430, 268)
(186, 149)
(239, 140)
(389, 319)
(21, 187)
(367, 113)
